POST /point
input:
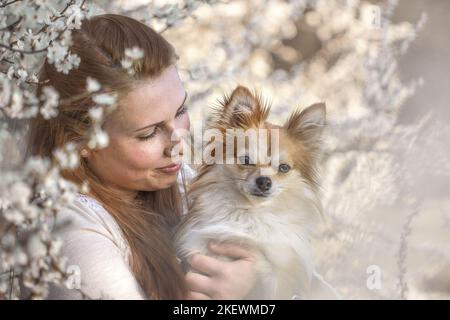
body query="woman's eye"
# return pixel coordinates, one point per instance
(284, 168)
(182, 111)
(151, 135)
(244, 160)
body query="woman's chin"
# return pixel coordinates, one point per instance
(167, 182)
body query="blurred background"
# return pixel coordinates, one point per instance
(427, 59)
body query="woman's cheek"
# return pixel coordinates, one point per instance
(145, 155)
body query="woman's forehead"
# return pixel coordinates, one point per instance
(152, 100)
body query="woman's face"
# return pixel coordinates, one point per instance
(142, 134)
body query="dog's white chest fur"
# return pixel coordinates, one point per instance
(279, 230)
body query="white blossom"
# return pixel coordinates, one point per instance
(96, 114)
(10, 73)
(50, 98)
(75, 16)
(31, 193)
(68, 156)
(14, 216)
(16, 104)
(23, 74)
(71, 61)
(105, 98)
(126, 63)
(5, 93)
(99, 139)
(20, 257)
(56, 52)
(92, 85)
(134, 53)
(131, 55)
(36, 166)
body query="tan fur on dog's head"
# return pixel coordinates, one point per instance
(299, 142)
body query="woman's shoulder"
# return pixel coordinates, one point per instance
(92, 241)
(85, 214)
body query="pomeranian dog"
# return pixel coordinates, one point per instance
(267, 199)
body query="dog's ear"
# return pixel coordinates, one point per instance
(241, 101)
(244, 108)
(307, 124)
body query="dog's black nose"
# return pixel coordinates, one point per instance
(263, 183)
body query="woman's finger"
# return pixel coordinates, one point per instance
(198, 282)
(193, 295)
(231, 250)
(205, 264)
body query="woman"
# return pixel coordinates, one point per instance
(119, 233)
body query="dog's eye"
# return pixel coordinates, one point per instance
(284, 168)
(244, 160)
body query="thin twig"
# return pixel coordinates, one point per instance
(56, 18)
(8, 3)
(22, 51)
(402, 253)
(28, 81)
(12, 25)
(11, 283)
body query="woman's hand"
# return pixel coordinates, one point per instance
(222, 280)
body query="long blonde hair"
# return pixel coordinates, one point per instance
(146, 223)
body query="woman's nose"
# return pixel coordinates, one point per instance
(173, 148)
(174, 141)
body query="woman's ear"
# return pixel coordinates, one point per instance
(85, 152)
(307, 124)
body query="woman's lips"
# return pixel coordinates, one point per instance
(173, 168)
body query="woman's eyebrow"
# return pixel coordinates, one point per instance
(161, 122)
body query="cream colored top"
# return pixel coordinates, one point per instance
(97, 252)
